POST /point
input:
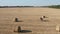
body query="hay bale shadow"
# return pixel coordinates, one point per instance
(23, 31)
(19, 21)
(46, 20)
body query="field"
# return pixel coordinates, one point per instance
(30, 20)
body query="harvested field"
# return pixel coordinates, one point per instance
(30, 20)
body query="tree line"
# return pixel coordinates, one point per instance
(54, 6)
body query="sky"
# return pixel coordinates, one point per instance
(29, 2)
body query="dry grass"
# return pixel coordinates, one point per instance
(31, 20)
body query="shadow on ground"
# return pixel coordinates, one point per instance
(23, 31)
(19, 21)
(46, 20)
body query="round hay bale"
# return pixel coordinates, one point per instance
(57, 28)
(19, 29)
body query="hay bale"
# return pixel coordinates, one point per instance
(41, 19)
(57, 28)
(19, 29)
(16, 20)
